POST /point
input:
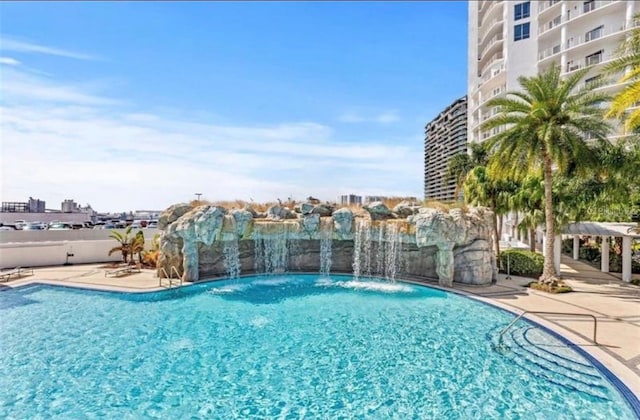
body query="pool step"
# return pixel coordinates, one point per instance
(527, 347)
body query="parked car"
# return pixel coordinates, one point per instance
(152, 224)
(60, 226)
(33, 226)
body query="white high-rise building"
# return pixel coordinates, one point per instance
(510, 39)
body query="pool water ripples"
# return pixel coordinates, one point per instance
(286, 346)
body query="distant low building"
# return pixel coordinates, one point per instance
(351, 199)
(146, 214)
(372, 198)
(69, 206)
(32, 206)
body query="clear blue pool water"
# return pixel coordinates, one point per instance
(294, 346)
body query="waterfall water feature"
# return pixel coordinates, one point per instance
(367, 249)
(359, 236)
(376, 250)
(272, 251)
(231, 257)
(326, 240)
(380, 250)
(392, 251)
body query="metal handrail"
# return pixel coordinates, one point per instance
(166, 276)
(178, 276)
(172, 270)
(595, 321)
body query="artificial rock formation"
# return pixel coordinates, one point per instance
(452, 246)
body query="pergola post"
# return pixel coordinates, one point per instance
(626, 259)
(604, 255)
(557, 253)
(576, 247)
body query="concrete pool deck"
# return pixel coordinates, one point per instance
(615, 304)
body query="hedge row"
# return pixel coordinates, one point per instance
(521, 262)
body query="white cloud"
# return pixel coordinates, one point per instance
(64, 142)
(9, 61)
(20, 86)
(10, 44)
(386, 117)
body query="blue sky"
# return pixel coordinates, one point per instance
(140, 105)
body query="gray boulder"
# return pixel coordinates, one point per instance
(343, 223)
(243, 219)
(172, 214)
(405, 209)
(324, 210)
(378, 210)
(279, 213)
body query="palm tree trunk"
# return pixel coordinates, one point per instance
(496, 237)
(532, 239)
(548, 270)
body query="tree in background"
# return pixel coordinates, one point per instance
(627, 63)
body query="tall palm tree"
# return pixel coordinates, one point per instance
(628, 63)
(545, 126)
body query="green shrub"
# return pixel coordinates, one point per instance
(590, 253)
(521, 262)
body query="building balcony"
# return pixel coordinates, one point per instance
(550, 26)
(491, 75)
(491, 47)
(585, 9)
(545, 7)
(494, 9)
(549, 52)
(493, 28)
(491, 62)
(594, 37)
(582, 44)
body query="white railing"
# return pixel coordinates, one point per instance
(496, 92)
(489, 28)
(493, 41)
(572, 14)
(549, 52)
(587, 8)
(544, 5)
(492, 61)
(591, 36)
(555, 22)
(571, 67)
(492, 5)
(491, 73)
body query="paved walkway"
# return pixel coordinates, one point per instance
(615, 304)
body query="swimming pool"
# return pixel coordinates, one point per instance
(287, 346)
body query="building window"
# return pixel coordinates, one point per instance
(522, 10)
(594, 58)
(594, 33)
(588, 6)
(592, 82)
(521, 31)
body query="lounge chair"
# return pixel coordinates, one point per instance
(5, 275)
